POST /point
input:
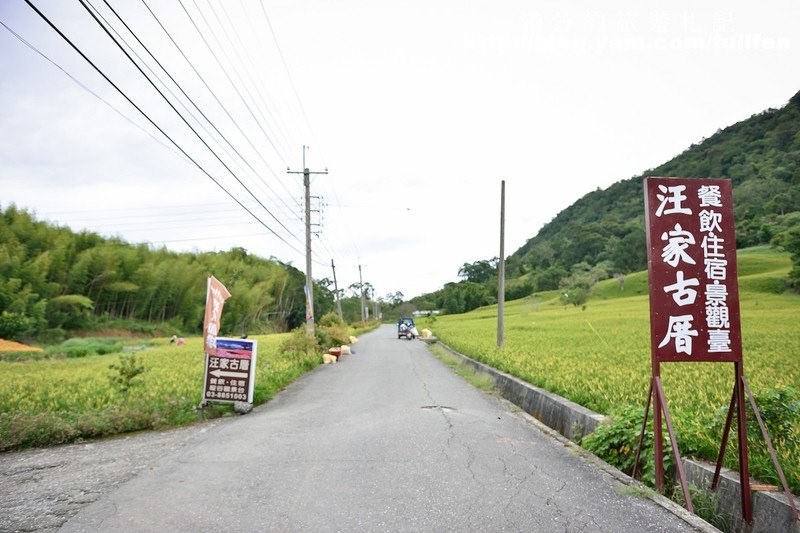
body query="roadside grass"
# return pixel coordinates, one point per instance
(465, 371)
(635, 491)
(706, 505)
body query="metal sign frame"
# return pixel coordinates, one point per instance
(694, 310)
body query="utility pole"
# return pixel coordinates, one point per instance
(309, 280)
(501, 267)
(336, 292)
(361, 285)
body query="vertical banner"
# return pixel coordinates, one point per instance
(230, 374)
(309, 305)
(691, 261)
(216, 295)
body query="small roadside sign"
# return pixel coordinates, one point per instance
(230, 374)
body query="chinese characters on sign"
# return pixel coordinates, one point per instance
(229, 375)
(691, 256)
(216, 295)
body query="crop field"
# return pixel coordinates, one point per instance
(599, 356)
(50, 401)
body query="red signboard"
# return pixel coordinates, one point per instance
(230, 374)
(691, 258)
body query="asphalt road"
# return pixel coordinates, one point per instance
(389, 439)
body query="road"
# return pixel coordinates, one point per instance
(389, 439)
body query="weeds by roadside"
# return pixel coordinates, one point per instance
(467, 372)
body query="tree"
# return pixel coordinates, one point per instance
(394, 298)
(479, 271)
(71, 311)
(578, 285)
(790, 241)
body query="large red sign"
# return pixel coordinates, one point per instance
(691, 259)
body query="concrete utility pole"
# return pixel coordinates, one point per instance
(309, 280)
(336, 292)
(501, 267)
(363, 305)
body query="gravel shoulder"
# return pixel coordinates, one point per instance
(40, 489)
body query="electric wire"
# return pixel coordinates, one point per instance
(224, 71)
(83, 3)
(182, 153)
(178, 85)
(288, 74)
(277, 126)
(124, 95)
(160, 208)
(208, 238)
(223, 50)
(213, 94)
(302, 108)
(155, 75)
(87, 89)
(251, 71)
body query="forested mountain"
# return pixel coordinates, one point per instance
(602, 234)
(53, 280)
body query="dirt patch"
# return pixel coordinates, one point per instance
(11, 346)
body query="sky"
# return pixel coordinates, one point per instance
(417, 110)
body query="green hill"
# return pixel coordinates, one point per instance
(602, 237)
(760, 155)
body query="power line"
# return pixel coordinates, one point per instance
(252, 70)
(214, 95)
(178, 85)
(83, 3)
(216, 209)
(87, 89)
(107, 28)
(289, 75)
(99, 71)
(224, 71)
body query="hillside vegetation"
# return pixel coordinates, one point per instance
(54, 282)
(602, 234)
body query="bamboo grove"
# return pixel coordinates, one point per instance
(54, 281)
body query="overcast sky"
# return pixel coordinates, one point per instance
(418, 110)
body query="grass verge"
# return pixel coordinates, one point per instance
(467, 372)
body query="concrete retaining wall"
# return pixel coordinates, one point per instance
(771, 511)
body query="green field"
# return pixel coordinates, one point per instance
(52, 401)
(599, 356)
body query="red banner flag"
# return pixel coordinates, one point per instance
(215, 299)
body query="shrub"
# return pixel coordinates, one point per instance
(84, 347)
(298, 344)
(617, 439)
(331, 320)
(14, 326)
(780, 412)
(126, 370)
